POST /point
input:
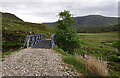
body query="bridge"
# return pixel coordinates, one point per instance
(39, 41)
(38, 60)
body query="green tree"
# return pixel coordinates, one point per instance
(66, 35)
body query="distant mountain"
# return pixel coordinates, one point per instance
(99, 29)
(91, 21)
(9, 16)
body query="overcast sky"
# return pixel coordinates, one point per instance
(39, 11)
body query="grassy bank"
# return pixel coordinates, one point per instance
(102, 54)
(90, 67)
(71, 59)
(15, 32)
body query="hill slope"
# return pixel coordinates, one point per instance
(14, 31)
(91, 21)
(10, 16)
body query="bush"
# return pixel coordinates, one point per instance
(60, 51)
(116, 44)
(66, 35)
(114, 58)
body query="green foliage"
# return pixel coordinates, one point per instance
(114, 66)
(114, 58)
(60, 51)
(116, 44)
(77, 64)
(66, 35)
(9, 52)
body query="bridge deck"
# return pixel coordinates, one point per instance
(43, 44)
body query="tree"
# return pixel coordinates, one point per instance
(66, 35)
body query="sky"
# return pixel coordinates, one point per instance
(41, 11)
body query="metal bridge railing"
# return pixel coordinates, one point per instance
(35, 39)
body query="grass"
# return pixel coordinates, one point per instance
(98, 44)
(94, 39)
(71, 59)
(99, 48)
(101, 45)
(15, 32)
(76, 63)
(88, 67)
(9, 52)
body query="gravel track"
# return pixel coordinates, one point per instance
(36, 62)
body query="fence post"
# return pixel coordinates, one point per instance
(25, 41)
(28, 41)
(43, 36)
(52, 41)
(32, 40)
(35, 39)
(39, 37)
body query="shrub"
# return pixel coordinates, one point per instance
(116, 44)
(66, 35)
(114, 58)
(114, 66)
(60, 51)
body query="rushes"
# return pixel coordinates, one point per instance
(95, 66)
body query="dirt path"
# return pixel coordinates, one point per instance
(36, 62)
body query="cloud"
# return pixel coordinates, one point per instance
(47, 11)
(60, 1)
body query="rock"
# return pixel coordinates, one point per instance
(119, 57)
(6, 28)
(103, 42)
(101, 46)
(30, 32)
(84, 55)
(17, 32)
(117, 50)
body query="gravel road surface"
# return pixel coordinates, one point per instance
(36, 62)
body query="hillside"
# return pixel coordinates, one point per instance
(91, 21)
(14, 31)
(9, 16)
